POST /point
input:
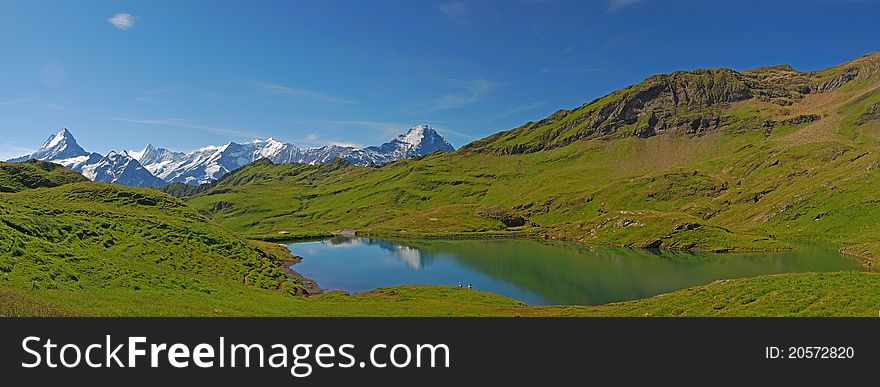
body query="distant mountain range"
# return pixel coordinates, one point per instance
(156, 167)
(118, 168)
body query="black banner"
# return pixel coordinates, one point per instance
(462, 351)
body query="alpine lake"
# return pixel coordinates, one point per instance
(542, 272)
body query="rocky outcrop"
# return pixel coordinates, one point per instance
(872, 114)
(650, 244)
(507, 217)
(837, 81)
(680, 103)
(221, 206)
(801, 119)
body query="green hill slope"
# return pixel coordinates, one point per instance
(15, 177)
(709, 159)
(94, 238)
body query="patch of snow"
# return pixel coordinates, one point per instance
(55, 141)
(414, 135)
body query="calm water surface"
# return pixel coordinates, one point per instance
(541, 273)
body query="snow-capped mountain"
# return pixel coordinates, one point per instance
(155, 167)
(120, 168)
(419, 140)
(210, 163)
(62, 148)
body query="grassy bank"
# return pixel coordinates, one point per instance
(445, 235)
(287, 236)
(810, 294)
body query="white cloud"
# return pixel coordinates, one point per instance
(446, 132)
(517, 110)
(122, 21)
(456, 11)
(474, 89)
(545, 70)
(14, 101)
(312, 137)
(478, 13)
(346, 144)
(617, 5)
(385, 129)
(151, 95)
(295, 92)
(188, 124)
(10, 150)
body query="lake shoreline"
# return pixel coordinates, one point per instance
(867, 260)
(353, 272)
(311, 286)
(532, 236)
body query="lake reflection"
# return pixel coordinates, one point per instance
(538, 272)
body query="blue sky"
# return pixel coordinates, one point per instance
(183, 74)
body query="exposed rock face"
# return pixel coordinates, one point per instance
(872, 114)
(513, 220)
(651, 244)
(687, 226)
(221, 206)
(840, 80)
(681, 103)
(507, 217)
(801, 119)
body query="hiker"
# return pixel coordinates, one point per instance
(470, 286)
(459, 284)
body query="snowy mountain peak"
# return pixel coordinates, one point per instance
(60, 146)
(417, 141)
(63, 137)
(139, 155)
(415, 134)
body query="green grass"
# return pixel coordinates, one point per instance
(808, 294)
(15, 177)
(88, 235)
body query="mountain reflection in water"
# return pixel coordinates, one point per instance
(539, 272)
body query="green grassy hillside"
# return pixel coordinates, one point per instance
(89, 237)
(15, 177)
(708, 160)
